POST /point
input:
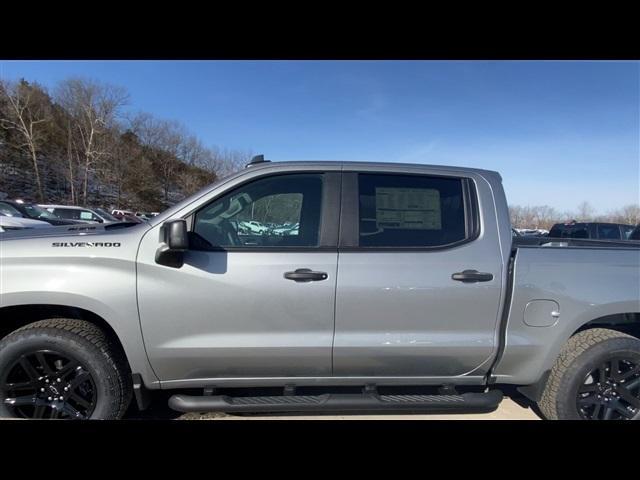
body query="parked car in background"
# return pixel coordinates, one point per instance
(286, 229)
(32, 211)
(18, 223)
(105, 214)
(83, 214)
(144, 216)
(593, 230)
(635, 234)
(119, 213)
(126, 217)
(532, 232)
(254, 227)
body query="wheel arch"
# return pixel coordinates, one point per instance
(16, 316)
(628, 322)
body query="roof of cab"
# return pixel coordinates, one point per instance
(349, 165)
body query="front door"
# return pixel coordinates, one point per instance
(255, 296)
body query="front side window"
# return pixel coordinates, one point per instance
(410, 211)
(279, 211)
(38, 212)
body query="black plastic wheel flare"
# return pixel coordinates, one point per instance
(611, 391)
(48, 384)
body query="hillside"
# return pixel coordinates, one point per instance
(76, 146)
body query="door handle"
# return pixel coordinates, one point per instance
(472, 276)
(305, 275)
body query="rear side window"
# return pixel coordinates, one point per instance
(609, 232)
(64, 213)
(410, 211)
(570, 231)
(74, 214)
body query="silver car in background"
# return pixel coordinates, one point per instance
(89, 215)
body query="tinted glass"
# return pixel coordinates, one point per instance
(626, 231)
(608, 232)
(38, 212)
(410, 211)
(106, 215)
(578, 230)
(282, 211)
(9, 210)
(74, 214)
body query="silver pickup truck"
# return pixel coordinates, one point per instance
(371, 287)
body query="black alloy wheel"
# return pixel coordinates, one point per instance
(48, 384)
(611, 391)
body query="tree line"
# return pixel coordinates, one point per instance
(544, 216)
(77, 145)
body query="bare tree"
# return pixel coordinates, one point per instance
(94, 107)
(629, 214)
(585, 212)
(27, 115)
(225, 161)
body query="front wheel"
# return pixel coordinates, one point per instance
(62, 369)
(596, 377)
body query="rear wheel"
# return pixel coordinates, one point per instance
(62, 368)
(596, 377)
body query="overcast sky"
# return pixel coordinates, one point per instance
(558, 132)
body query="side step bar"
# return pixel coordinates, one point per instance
(331, 402)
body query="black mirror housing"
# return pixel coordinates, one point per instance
(176, 242)
(176, 236)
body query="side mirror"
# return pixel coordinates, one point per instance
(176, 242)
(175, 234)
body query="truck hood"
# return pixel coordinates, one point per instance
(66, 231)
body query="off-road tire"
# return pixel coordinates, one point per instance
(581, 353)
(89, 345)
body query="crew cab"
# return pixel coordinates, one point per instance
(402, 289)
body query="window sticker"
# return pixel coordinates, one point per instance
(408, 208)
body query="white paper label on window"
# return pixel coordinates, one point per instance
(408, 208)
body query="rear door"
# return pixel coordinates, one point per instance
(419, 276)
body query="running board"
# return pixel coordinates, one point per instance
(332, 402)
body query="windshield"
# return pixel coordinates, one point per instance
(38, 212)
(9, 211)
